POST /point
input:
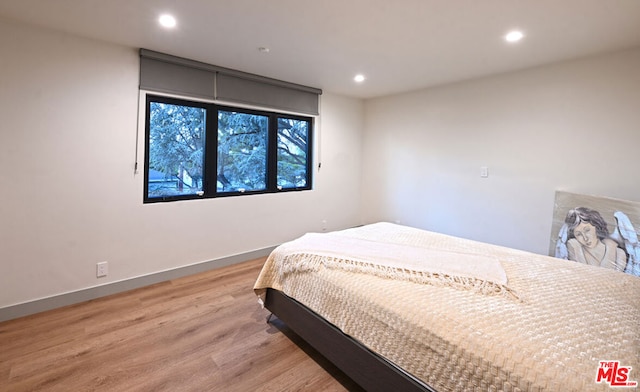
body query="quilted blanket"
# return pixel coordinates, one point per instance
(568, 326)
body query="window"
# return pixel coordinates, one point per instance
(176, 137)
(293, 136)
(201, 150)
(242, 151)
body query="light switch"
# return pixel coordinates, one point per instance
(484, 171)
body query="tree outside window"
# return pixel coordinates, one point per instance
(243, 152)
(176, 149)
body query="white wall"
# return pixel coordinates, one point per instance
(68, 110)
(70, 198)
(572, 126)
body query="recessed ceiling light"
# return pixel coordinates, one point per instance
(514, 36)
(167, 21)
(359, 78)
(264, 49)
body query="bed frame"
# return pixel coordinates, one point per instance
(366, 368)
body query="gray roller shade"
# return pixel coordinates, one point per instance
(164, 73)
(157, 75)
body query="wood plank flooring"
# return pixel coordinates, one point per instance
(205, 332)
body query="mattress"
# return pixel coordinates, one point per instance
(547, 331)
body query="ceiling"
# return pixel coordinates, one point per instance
(399, 45)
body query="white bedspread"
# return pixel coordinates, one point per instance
(568, 317)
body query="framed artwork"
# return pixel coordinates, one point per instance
(596, 230)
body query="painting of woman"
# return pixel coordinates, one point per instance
(602, 234)
(589, 240)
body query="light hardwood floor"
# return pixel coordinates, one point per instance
(205, 332)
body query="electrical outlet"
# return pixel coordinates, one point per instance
(102, 269)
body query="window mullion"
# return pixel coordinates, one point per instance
(211, 151)
(272, 164)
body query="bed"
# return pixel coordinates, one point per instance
(399, 308)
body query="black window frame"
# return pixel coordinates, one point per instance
(210, 172)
